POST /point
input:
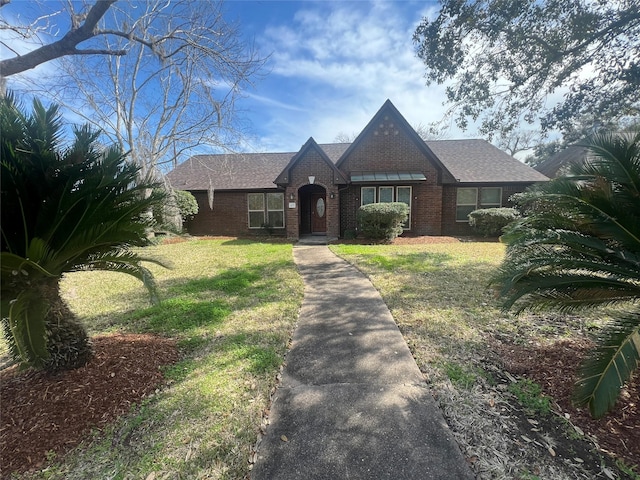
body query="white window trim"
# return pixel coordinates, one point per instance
(489, 205)
(375, 197)
(475, 204)
(410, 203)
(275, 210)
(394, 195)
(249, 211)
(393, 192)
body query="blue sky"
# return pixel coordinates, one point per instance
(331, 65)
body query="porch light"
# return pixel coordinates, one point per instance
(312, 179)
(291, 196)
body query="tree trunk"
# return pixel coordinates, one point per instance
(67, 341)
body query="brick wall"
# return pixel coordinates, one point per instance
(389, 148)
(228, 217)
(449, 224)
(312, 164)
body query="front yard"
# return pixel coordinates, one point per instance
(230, 307)
(479, 360)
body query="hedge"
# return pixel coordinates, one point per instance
(490, 222)
(382, 221)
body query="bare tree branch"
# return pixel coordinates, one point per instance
(65, 46)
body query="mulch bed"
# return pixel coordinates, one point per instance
(554, 367)
(44, 412)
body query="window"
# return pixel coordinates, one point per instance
(490, 197)
(467, 201)
(403, 194)
(470, 199)
(263, 212)
(385, 194)
(367, 195)
(256, 210)
(275, 210)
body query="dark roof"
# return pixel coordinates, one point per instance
(238, 171)
(558, 163)
(469, 161)
(477, 161)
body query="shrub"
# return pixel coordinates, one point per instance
(382, 221)
(187, 203)
(490, 222)
(179, 205)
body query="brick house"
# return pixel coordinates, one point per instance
(319, 189)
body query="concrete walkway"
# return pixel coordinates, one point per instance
(353, 403)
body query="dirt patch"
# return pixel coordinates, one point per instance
(50, 413)
(554, 367)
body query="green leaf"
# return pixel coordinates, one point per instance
(27, 325)
(606, 371)
(11, 264)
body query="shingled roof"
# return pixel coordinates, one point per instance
(468, 160)
(477, 161)
(559, 163)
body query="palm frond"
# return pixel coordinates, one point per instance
(126, 261)
(26, 322)
(610, 367)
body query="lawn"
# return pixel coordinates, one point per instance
(231, 305)
(485, 365)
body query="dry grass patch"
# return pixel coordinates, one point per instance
(231, 306)
(463, 342)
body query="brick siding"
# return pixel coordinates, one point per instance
(449, 224)
(229, 215)
(389, 148)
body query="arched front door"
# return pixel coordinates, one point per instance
(319, 213)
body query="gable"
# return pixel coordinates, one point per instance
(387, 147)
(318, 155)
(389, 144)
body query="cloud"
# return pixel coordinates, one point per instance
(336, 63)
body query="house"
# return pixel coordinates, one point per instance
(559, 163)
(319, 189)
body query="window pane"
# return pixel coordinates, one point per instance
(256, 201)
(275, 201)
(368, 195)
(404, 195)
(491, 196)
(276, 219)
(256, 219)
(467, 196)
(386, 194)
(463, 212)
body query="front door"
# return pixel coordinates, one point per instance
(318, 213)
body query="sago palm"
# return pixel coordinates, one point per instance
(579, 247)
(64, 209)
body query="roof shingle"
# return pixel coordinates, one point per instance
(469, 161)
(477, 161)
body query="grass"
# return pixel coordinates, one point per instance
(440, 297)
(530, 396)
(232, 307)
